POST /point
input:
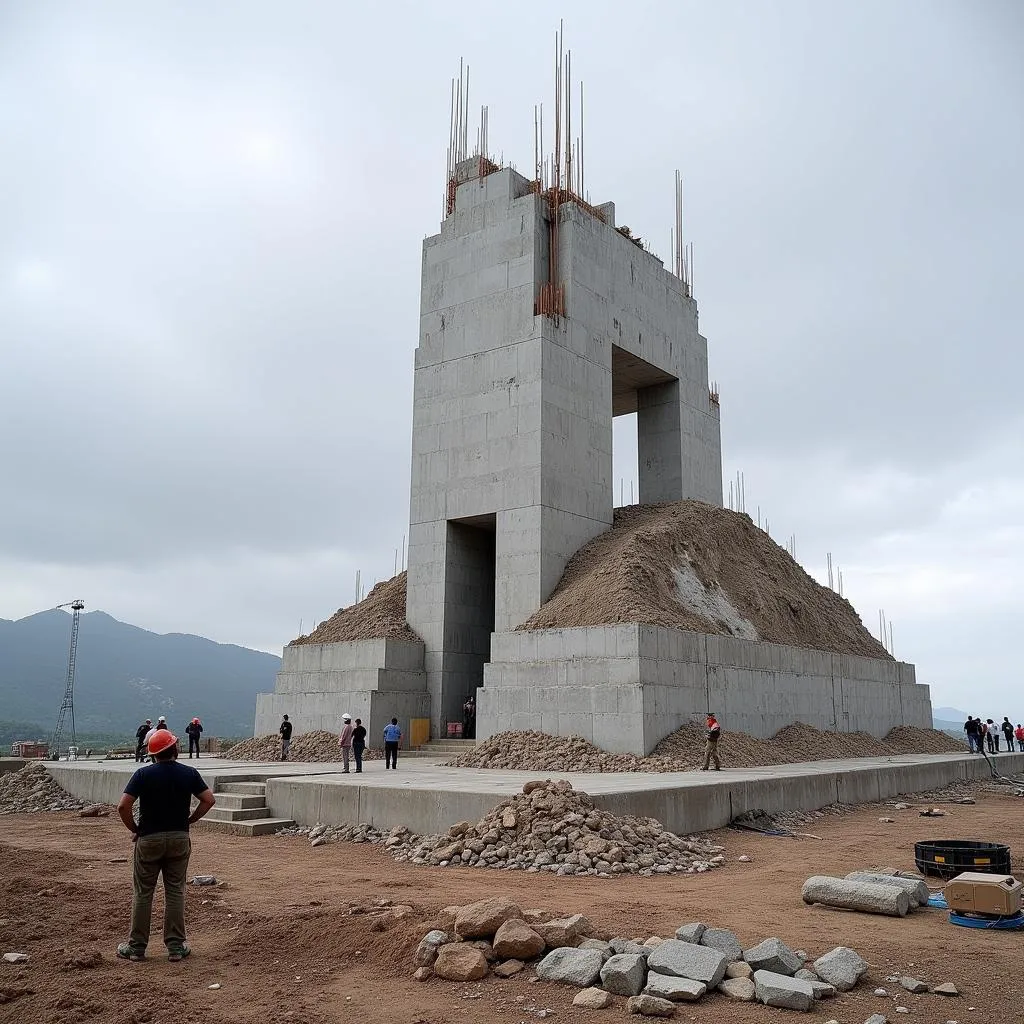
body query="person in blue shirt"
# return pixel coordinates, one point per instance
(392, 738)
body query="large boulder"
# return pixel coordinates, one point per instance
(915, 888)
(841, 967)
(867, 897)
(781, 990)
(675, 990)
(579, 967)
(650, 1006)
(773, 955)
(516, 940)
(686, 960)
(482, 919)
(724, 941)
(623, 974)
(563, 931)
(458, 961)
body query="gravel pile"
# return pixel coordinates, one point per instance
(379, 616)
(548, 827)
(318, 745)
(33, 789)
(683, 750)
(694, 566)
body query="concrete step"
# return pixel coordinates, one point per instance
(243, 788)
(239, 801)
(253, 827)
(238, 813)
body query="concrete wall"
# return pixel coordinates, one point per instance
(626, 687)
(370, 679)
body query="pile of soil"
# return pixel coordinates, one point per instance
(318, 745)
(379, 616)
(33, 789)
(683, 750)
(693, 566)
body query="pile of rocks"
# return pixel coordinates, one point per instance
(653, 974)
(552, 827)
(32, 789)
(548, 827)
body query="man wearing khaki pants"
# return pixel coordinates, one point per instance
(164, 790)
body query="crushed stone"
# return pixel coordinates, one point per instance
(316, 746)
(33, 789)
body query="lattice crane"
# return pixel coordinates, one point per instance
(68, 703)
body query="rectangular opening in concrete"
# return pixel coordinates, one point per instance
(469, 598)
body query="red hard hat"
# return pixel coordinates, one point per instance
(161, 740)
(195, 721)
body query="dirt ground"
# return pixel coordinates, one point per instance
(295, 935)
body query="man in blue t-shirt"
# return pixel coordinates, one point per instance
(164, 790)
(392, 737)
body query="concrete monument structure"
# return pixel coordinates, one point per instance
(541, 321)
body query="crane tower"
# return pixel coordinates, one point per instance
(68, 703)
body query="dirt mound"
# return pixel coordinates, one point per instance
(318, 745)
(33, 788)
(683, 750)
(694, 566)
(379, 616)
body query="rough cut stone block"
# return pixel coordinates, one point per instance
(915, 888)
(773, 955)
(579, 967)
(741, 989)
(482, 919)
(841, 967)
(509, 968)
(724, 941)
(822, 990)
(806, 975)
(459, 961)
(592, 999)
(675, 990)
(739, 970)
(691, 932)
(623, 974)
(516, 940)
(781, 990)
(867, 897)
(650, 1006)
(603, 947)
(686, 960)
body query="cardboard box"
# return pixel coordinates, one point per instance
(976, 893)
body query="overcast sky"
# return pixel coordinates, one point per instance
(210, 227)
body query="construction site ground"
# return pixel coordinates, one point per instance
(292, 933)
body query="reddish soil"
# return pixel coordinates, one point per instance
(289, 936)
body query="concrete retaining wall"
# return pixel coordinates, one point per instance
(626, 687)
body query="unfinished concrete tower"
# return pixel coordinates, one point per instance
(539, 323)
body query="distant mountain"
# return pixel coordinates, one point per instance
(950, 715)
(125, 674)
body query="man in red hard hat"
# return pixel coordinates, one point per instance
(164, 790)
(711, 746)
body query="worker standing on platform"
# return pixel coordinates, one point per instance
(140, 739)
(1007, 728)
(194, 730)
(358, 744)
(711, 744)
(164, 790)
(392, 738)
(286, 736)
(345, 741)
(469, 718)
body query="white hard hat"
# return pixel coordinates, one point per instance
(161, 719)
(346, 718)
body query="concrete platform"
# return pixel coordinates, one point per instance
(428, 798)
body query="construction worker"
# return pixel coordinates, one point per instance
(711, 744)
(164, 790)
(285, 733)
(359, 744)
(1019, 734)
(161, 723)
(140, 739)
(345, 741)
(193, 730)
(469, 718)
(1007, 731)
(392, 739)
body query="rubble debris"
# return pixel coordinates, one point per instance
(318, 746)
(32, 790)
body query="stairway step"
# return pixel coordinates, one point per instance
(243, 788)
(255, 827)
(238, 813)
(239, 801)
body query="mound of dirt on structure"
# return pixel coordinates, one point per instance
(32, 789)
(318, 745)
(683, 750)
(379, 616)
(693, 566)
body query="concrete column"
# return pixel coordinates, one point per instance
(660, 443)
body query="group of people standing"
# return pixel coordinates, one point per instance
(193, 730)
(352, 742)
(988, 733)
